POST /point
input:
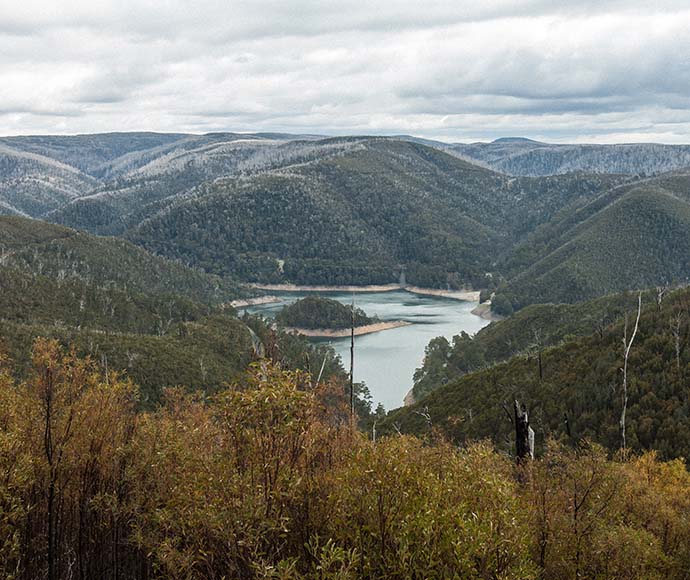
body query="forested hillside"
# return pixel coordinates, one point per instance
(579, 381)
(64, 254)
(156, 320)
(525, 333)
(631, 237)
(142, 184)
(355, 217)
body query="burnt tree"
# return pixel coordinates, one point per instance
(524, 435)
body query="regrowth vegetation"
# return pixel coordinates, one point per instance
(268, 480)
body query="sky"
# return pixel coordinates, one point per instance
(460, 70)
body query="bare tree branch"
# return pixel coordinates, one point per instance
(626, 353)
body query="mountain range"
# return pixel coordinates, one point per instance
(519, 156)
(530, 222)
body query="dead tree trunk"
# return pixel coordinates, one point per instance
(627, 344)
(524, 435)
(660, 291)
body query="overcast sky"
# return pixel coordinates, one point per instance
(457, 70)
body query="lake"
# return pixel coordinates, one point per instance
(386, 360)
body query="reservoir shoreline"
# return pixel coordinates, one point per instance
(258, 301)
(484, 311)
(345, 332)
(386, 361)
(462, 295)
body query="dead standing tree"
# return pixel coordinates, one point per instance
(675, 325)
(660, 292)
(627, 345)
(524, 434)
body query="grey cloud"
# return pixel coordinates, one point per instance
(456, 69)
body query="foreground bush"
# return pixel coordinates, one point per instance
(268, 480)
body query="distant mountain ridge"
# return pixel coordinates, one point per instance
(520, 156)
(515, 215)
(39, 174)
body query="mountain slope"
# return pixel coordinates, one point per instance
(353, 217)
(60, 253)
(632, 237)
(39, 174)
(156, 320)
(157, 340)
(526, 332)
(148, 182)
(580, 380)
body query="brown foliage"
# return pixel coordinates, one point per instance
(269, 480)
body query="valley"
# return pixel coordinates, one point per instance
(144, 280)
(309, 290)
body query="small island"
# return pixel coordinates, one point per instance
(323, 317)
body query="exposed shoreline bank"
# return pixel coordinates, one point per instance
(344, 332)
(462, 295)
(255, 301)
(484, 311)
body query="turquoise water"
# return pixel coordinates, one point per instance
(386, 360)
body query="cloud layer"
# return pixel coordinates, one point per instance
(457, 70)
